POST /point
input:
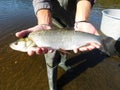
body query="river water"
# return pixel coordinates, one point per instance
(91, 71)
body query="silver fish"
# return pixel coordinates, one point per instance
(55, 39)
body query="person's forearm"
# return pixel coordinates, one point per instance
(41, 4)
(42, 10)
(44, 17)
(83, 10)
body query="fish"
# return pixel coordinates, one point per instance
(55, 39)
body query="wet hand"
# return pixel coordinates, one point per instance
(88, 28)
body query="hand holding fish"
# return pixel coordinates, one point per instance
(34, 50)
(39, 50)
(25, 32)
(88, 28)
(43, 41)
(44, 16)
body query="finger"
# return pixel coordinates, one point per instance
(30, 52)
(75, 50)
(96, 45)
(50, 51)
(83, 49)
(22, 33)
(44, 50)
(89, 46)
(47, 49)
(38, 51)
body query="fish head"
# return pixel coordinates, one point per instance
(22, 44)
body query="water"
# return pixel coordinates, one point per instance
(18, 71)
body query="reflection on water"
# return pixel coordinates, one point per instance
(21, 72)
(15, 15)
(13, 8)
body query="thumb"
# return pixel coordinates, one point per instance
(22, 33)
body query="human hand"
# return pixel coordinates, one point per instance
(34, 50)
(25, 32)
(88, 28)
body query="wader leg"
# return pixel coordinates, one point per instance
(52, 61)
(62, 63)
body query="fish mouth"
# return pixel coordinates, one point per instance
(22, 44)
